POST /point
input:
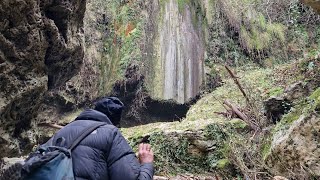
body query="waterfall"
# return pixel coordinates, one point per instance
(180, 53)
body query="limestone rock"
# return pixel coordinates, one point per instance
(279, 178)
(10, 168)
(7, 162)
(297, 149)
(41, 47)
(296, 91)
(277, 106)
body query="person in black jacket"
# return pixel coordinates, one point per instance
(105, 153)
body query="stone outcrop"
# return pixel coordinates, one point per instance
(41, 47)
(277, 106)
(294, 149)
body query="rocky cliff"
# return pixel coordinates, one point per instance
(170, 43)
(41, 47)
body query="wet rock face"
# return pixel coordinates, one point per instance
(297, 149)
(41, 47)
(140, 107)
(65, 35)
(180, 53)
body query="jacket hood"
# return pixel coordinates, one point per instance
(111, 107)
(94, 115)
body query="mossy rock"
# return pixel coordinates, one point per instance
(223, 163)
(304, 107)
(293, 139)
(187, 151)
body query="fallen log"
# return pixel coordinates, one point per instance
(241, 115)
(236, 110)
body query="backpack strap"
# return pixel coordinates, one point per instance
(84, 134)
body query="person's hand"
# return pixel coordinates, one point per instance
(145, 153)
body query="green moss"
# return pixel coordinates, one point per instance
(260, 34)
(122, 46)
(223, 163)
(315, 99)
(289, 118)
(217, 133)
(304, 107)
(278, 30)
(266, 148)
(275, 91)
(238, 124)
(172, 156)
(171, 150)
(182, 4)
(315, 95)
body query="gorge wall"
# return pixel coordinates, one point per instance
(41, 47)
(179, 52)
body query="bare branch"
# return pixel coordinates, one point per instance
(56, 126)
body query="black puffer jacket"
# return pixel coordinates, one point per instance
(104, 154)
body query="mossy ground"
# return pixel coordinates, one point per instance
(233, 140)
(203, 116)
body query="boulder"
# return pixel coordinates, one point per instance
(295, 151)
(276, 106)
(7, 162)
(297, 91)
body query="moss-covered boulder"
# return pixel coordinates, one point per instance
(295, 147)
(200, 151)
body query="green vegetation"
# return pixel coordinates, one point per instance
(266, 149)
(232, 146)
(261, 34)
(275, 91)
(177, 153)
(248, 30)
(182, 4)
(123, 44)
(303, 108)
(172, 155)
